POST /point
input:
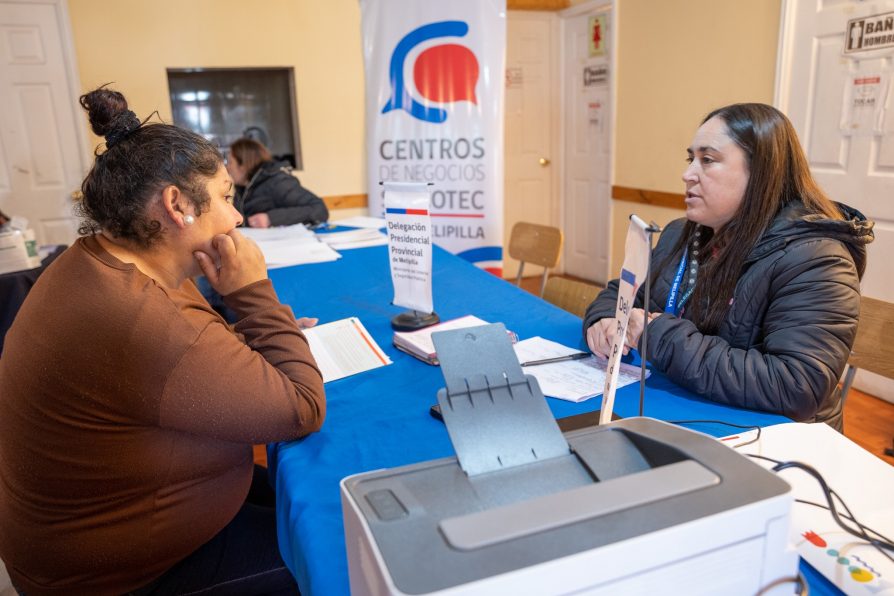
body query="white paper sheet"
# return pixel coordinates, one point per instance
(285, 246)
(343, 348)
(354, 239)
(573, 380)
(360, 221)
(285, 253)
(297, 233)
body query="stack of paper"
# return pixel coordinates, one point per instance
(354, 238)
(361, 221)
(290, 245)
(343, 348)
(572, 380)
(419, 344)
(14, 251)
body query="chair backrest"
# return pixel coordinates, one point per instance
(873, 348)
(537, 244)
(571, 295)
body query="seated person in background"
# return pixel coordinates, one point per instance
(756, 294)
(270, 195)
(128, 407)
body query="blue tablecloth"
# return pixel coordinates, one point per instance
(380, 419)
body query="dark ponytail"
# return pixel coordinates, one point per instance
(138, 162)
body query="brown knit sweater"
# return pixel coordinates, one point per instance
(127, 415)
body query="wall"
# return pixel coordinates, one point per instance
(131, 43)
(678, 60)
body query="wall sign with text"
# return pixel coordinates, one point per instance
(865, 34)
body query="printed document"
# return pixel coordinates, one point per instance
(344, 348)
(296, 233)
(361, 221)
(572, 380)
(285, 246)
(359, 238)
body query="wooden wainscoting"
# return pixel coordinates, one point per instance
(346, 201)
(648, 197)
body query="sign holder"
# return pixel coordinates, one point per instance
(653, 228)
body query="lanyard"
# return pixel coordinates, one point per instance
(671, 306)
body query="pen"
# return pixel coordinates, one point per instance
(575, 356)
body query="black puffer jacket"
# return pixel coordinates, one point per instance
(787, 336)
(274, 191)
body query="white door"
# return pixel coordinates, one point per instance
(835, 97)
(587, 126)
(531, 100)
(42, 151)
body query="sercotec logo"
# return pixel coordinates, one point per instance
(442, 74)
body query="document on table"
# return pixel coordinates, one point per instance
(344, 348)
(361, 221)
(572, 380)
(290, 245)
(297, 233)
(353, 239)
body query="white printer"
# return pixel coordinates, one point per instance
(635, 506)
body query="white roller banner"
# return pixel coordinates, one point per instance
(633, 274)
(409, 244)
(434, 113)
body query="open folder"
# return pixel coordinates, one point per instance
(344, 348)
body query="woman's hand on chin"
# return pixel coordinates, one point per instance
(241, 263)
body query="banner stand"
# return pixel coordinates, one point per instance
(412, 320)
(652, 229)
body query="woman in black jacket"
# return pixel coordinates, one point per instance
(267, 192)
(756, 294)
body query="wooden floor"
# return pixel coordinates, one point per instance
(868, 420)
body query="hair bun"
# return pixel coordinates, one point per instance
(109, 116)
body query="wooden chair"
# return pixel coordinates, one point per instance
(873, 349)
(537, 244)
(568, 294)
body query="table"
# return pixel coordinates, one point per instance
(861, 479)
(379, 419)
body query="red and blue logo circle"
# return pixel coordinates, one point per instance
(442, 74)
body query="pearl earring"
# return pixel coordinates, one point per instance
(189, 220)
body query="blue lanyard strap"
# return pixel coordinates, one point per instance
(671, 305)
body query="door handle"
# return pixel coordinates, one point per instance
(544, 161)
(20, 169)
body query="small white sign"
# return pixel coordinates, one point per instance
(633, 274)
(408, 221)
(595, 76)
(866, 34)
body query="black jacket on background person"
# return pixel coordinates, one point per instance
(275, 191)
(786, 337)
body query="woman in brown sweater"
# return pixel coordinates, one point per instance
(128, 407)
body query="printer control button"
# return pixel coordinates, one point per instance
(386, 505)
